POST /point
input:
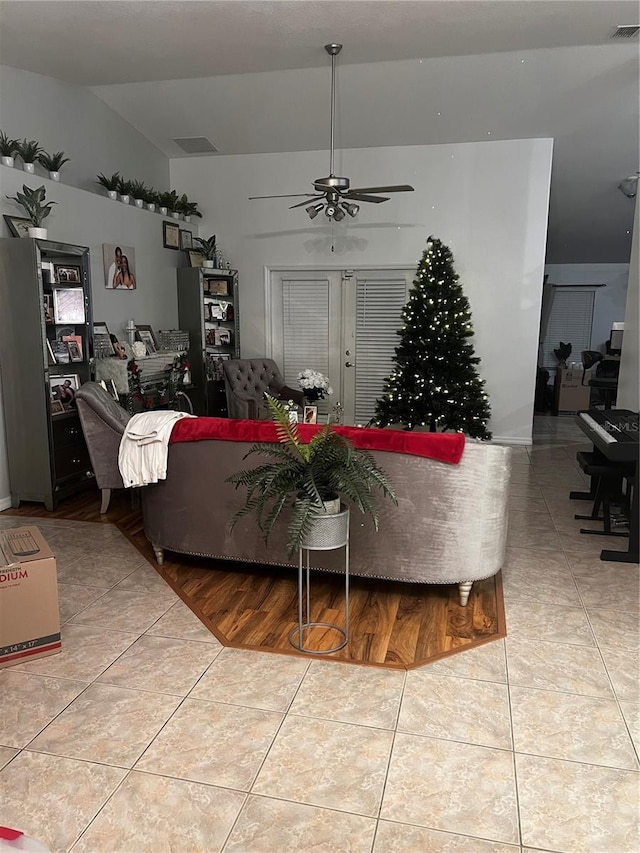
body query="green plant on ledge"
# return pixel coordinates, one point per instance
(188, 208)
(29, 150)
(303, 477)
(207, 246)
(124, 186)
(32, 202)
(139, 189)
(562, 354)
(52, 162)
(8, 147)
(110, 184)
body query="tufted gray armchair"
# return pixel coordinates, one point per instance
(103, 422)
(246, 380)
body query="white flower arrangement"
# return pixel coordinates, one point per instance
(314, 385)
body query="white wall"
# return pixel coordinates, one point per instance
(64, 117)
(610, 301)
(629, 383)
(488, 201)
(88, 219)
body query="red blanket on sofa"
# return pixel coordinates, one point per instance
(445, 447)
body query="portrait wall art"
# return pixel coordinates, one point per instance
(119, 267)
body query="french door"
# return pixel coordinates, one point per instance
(342, 323)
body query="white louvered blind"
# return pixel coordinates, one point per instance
(570, 322)
(305, 310)
(379, 305)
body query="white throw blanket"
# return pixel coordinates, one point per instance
(144, 447)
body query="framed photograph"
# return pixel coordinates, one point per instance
(63, 389)
(68, 305)
(186, 239)
(293, 416)
(311, 414)
(216, 311)
(119, 267)
(196, 260)
(102, 345)
(47, 300)
(56, 407)
(222, 337)
(170, 235)
(61, 352)
(74, 342)
(17, 225)
(145, 334)
(67, 274)
(218, 287)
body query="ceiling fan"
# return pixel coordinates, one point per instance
(333, 194)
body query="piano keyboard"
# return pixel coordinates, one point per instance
(604, 434)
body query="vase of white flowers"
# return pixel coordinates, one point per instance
(314, 385)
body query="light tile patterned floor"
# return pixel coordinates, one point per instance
(144, 735)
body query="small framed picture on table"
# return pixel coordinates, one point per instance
(311, 414)
(145, 334)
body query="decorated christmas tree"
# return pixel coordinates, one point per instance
(435, 382)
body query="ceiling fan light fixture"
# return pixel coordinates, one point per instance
(330, 210)
(352, 209)
(313, 210)
(338, 215)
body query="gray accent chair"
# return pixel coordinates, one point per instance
(103, 423)
(247, 379)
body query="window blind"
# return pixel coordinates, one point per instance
(570, 322)
(305, 309)
(379, 304)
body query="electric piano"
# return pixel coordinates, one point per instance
(614, 432)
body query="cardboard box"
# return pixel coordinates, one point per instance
(571, 394)
(29, 615)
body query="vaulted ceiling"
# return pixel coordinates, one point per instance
(253, 77)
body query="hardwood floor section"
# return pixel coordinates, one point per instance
(393, 625)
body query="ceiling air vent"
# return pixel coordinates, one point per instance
(196, 145)
(626, 32)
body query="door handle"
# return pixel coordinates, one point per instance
(349, 364)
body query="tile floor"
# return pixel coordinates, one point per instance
(144, 734)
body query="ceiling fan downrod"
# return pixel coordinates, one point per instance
(333, 50)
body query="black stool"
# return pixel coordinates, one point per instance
(607, 477)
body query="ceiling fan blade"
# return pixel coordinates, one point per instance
(399, 188)
(292, 195)
(354, 196)
(306, 201)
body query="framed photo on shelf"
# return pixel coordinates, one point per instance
(68, 305)
(102, 341)
(218, 287)
(196, 259)
(63, 389)
(310, 415)
(18, 226)
(47, 301)
(145, 334)
(56, 407)
(61, 352)
(170, 235)
(186, 239)
(67, 274)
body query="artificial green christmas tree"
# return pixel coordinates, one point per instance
(435, 382)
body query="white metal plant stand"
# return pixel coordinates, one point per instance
(329, 533)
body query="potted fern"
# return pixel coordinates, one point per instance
(207, 248)
(151, 199)
(8, 148)
(37, 211)
(28, 151)
(53, 163)
(306, 478)
(138, 191)
(124, 190)
(110, 184)
(165, 200)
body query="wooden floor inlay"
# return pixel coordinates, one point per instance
(395, 625)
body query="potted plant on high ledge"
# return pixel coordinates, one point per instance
(8, 149)
(28, 151)
(308, 479)
(110, 184)
(124, 190)
(138, 191)
(207, 249)
(53, 163)
(33, 203)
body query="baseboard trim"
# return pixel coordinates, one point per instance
(5, 503)
(515, 442)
